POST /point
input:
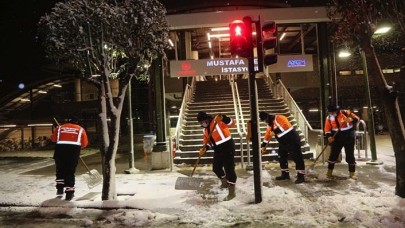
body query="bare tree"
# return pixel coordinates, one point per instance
(106, 39)
(355, 22)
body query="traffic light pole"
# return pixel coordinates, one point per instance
(257, 159)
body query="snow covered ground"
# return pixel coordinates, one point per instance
(148, 199)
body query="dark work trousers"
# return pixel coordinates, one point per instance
(290, 143)
(224, 164)
(66, 158)
(343, 139)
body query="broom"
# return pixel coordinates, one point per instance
(93, 177)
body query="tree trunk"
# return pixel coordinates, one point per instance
(106, 154)
(110, 134)
(389, 98)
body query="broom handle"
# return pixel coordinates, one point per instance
(199, 156)
(323, 150)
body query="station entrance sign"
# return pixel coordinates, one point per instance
(222, 66)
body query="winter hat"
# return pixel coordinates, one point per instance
(263, 115)
(333, 108)
(72, 119)
(201, 116)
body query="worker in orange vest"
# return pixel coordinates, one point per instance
(341, 122)
(224, 148)
(289, 142)
(70, 138)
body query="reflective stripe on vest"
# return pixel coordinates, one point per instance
(77, 142)
(221, 134)
(336, 119)
(283, 132)
(343, 129)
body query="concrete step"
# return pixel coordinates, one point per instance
(214, 97)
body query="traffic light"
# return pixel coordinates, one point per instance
(266, 51)
(240, 38)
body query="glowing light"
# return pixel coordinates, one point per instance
(382, 30)
(344, 54)
(283, 35)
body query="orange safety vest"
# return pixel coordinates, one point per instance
(331, 124)
(220, 134)
(280, 122)
(71, 134)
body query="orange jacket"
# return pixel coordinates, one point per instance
(220, 134)
(71, 134)
(331, 125)
(279, 127)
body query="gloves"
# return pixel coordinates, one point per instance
(202, 151)
(348, 120)
(331, 139)
(218, 118)
(263, 149)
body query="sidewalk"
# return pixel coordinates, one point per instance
(384, 149)
(41, 153)
(148, 198)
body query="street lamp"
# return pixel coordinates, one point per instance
(344, 54)
(132, 168)
(382, 30)
(371, 128)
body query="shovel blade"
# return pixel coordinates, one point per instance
(188, 183)
(311, 168)
(92, 178)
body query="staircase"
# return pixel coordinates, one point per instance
(267, 103)
(212, 97)
(215, 97)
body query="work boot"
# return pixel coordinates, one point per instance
(300, 178)
(352, 175)
(59, 190)
(69, 195)
(224, 183)
(284, 176)
(231, 192)
(329, 173)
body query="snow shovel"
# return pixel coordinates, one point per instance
(189, 183)
(192, 183)
(92, 177)
(311, 167)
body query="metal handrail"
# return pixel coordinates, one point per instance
(364, 134)
(240, 109)
(281, 91)
(188, 92)
(235, 105)
(238, 114)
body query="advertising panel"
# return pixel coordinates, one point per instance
(292, 63)
(189, 68)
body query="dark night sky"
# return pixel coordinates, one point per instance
(21, 53)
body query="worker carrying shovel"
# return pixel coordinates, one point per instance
(341, 121)
(221, 141)
(70, 138)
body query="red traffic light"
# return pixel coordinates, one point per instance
(237, 28)
(240, 35)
